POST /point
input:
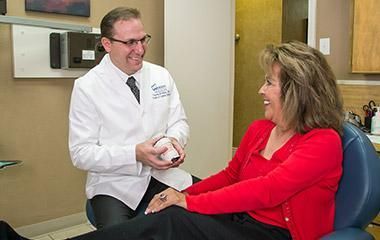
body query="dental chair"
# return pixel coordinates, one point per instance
(358, 196)
(90, 213)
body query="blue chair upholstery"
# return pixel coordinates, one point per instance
(90, 213)
(358, 196)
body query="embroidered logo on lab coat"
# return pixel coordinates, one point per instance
(159, 91)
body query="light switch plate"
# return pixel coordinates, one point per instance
(324, 46)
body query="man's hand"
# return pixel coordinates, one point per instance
(180, 151)
(149, 155)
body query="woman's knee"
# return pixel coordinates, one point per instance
(174, 212)
(170, 215)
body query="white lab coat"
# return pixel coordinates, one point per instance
(106, 122)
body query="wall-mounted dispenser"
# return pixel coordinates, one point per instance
(79, 50)
(32, 60)
(55, 50)
(75, 50)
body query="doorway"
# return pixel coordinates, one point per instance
(258, 23)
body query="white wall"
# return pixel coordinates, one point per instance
(199, 53)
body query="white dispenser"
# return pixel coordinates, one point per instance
(375, 122)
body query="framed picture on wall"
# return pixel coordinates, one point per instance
(69, 7)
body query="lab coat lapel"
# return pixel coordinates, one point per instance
(121, 88)
(145, 91)
(146, 103)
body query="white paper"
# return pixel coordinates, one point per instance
(374, 138)
(88, 55)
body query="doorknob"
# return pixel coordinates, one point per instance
(237, 37)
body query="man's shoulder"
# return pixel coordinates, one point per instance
(88, 81)
(92, 74)
(97, 71)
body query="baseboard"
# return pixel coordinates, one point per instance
(52, 225)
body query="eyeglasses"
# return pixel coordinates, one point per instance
(133, 42)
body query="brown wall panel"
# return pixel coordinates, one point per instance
(335, 20)
(355, 97)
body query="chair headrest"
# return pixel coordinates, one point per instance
(358, 196)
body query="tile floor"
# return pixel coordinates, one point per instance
(66, 233)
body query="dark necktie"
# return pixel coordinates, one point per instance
(131, 82)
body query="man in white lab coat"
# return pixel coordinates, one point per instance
(114, 123)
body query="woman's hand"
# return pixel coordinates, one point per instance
(166, 199)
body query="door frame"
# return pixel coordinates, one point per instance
(311, 23)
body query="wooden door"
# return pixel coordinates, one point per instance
(258, 22)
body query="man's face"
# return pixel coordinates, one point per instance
(126, 57)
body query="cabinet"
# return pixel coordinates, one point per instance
(366, 35)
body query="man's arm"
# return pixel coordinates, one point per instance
(85, 150)
(88, 154)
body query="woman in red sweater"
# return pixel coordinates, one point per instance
(282, 181)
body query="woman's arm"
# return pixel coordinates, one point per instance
(319, 156)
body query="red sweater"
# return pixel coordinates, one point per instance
(294, 190)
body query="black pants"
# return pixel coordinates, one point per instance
(109, 211)
(7, 233)
(175, 223)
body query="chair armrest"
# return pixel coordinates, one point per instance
(348, 234)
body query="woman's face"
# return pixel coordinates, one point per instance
(271, 93)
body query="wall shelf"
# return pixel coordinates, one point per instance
(366, 46)
(42, 23)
